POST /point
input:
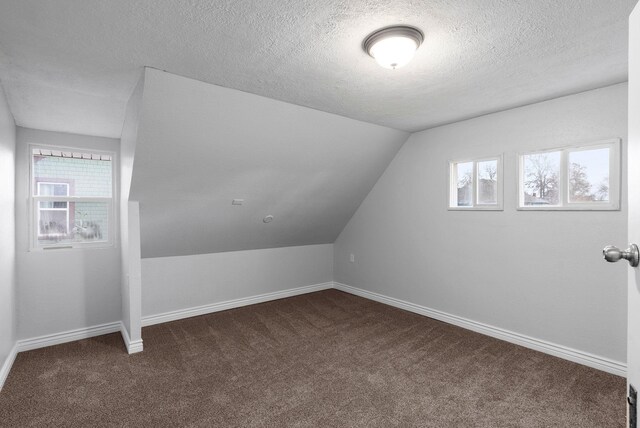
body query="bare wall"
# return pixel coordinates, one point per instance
(63, 289)
(182, 282)
(199, 146)
(130, 280)
(539, 274)
(7, 230)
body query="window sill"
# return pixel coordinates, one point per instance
(478, 208)
(66, 247)
(577, 208)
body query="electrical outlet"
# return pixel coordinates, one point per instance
(632, 400)
(352, 258)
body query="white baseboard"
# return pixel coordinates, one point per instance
(580, 357)
(133, 346)
(231, 304)
(6, 366)
(67, 336)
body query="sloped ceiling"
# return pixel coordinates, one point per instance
(70, 65)
(200, 146)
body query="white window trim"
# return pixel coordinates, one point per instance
(33, 203)
(615, 174)
(453, 188)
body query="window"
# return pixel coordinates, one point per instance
(53, 217)
(71, 198)
(572, 178)
(476, 185)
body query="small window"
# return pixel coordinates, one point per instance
(572, 178)
(476, 184)
(72, 198)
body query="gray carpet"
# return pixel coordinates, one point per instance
(326, 359)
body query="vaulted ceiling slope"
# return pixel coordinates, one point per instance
(199, 146)
(70, 65)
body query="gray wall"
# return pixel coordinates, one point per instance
(7, 229)
(63, 289)
(130, 291)
(540, 274)
(633, 352)
(182, 282)
(200, 146)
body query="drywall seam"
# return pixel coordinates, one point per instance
(133, 346)
(67, 336)
(8, 363)
(580, 357)
(231, 304)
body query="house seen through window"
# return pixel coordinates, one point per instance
(71, 198)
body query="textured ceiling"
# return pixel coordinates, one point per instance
(70, 65)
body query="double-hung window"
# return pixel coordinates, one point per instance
(71, 198)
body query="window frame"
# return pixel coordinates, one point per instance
(615, 178)
(475, 206)
(34, 201)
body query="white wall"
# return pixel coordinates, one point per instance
(7, 230)
(633, 355)
(200, 146)
(130, 254)
(63, 289)
(539, 274)
(182, 282)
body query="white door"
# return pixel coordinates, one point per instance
(633, 342)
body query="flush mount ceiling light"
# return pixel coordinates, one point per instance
(393, 47)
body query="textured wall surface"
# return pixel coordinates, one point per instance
(70, 66)
(200, 146)
(538, 273)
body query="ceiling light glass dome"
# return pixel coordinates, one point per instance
(393, 47)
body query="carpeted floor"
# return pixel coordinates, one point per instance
(326, 359)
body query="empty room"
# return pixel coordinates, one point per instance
(319, 214)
